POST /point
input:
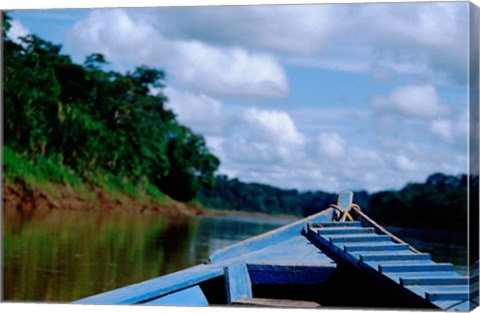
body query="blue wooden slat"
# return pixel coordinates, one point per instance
(425, 274)
(343, 230)
(352, 247)
(378, 254)
(433, 279)
(446, 288)
(441, 289)
(156, 287)
(337, 224)
(359, 238)
(188, 297)
(395, 257)
(420, 274)
(384, 252)
(445, 296)
(417, 267)
(237, 281)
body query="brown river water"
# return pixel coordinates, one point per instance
(68, 255)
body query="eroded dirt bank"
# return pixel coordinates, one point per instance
(36, 202)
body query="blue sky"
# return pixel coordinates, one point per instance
(314, 97)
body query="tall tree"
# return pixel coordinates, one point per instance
(95, 120)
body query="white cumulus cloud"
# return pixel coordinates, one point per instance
(289, 29)
(273, 126)
(411, 38)
(229, 71)
(128, 38)
(199, 111)
(412, 100)
(331, 145)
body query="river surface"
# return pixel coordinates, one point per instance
(65, 255)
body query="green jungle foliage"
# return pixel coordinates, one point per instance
(95, 122)
(232, 194)
(439, 203)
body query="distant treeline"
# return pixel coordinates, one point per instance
(97, 122)
(439, 203)
(232, 194)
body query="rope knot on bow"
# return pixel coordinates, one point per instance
(342, 215)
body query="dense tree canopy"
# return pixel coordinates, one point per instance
(92, 119)
(232, 194)
(439, 203)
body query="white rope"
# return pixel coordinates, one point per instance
(345, 215)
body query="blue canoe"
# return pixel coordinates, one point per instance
(336, 258)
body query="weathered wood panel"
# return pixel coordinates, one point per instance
(415, 267)
(343, 230)
(156, 287)
(336, 224)
(394, 257)
(382, 246)
(305, 253)
(358, 238)
(396, 265)
(237, 281)
(290, 274)
(270, 238)
(433, 280)
(188, 297)
(279, 303)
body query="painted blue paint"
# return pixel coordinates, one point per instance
(156, 287)
(384, 252)
(462, 306)
(237, 281)
(446, 288)
(345, 199)
(337, 224)
(343, 230)
(421, 274)
(433, 279)
(289, 274)
(359, 238)
(356, 247)
(390, 260)
(305, 253)
(270, 238)
(188, 297)
(415, 267)
(439, 296)
(449, 305)
(395, 257)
